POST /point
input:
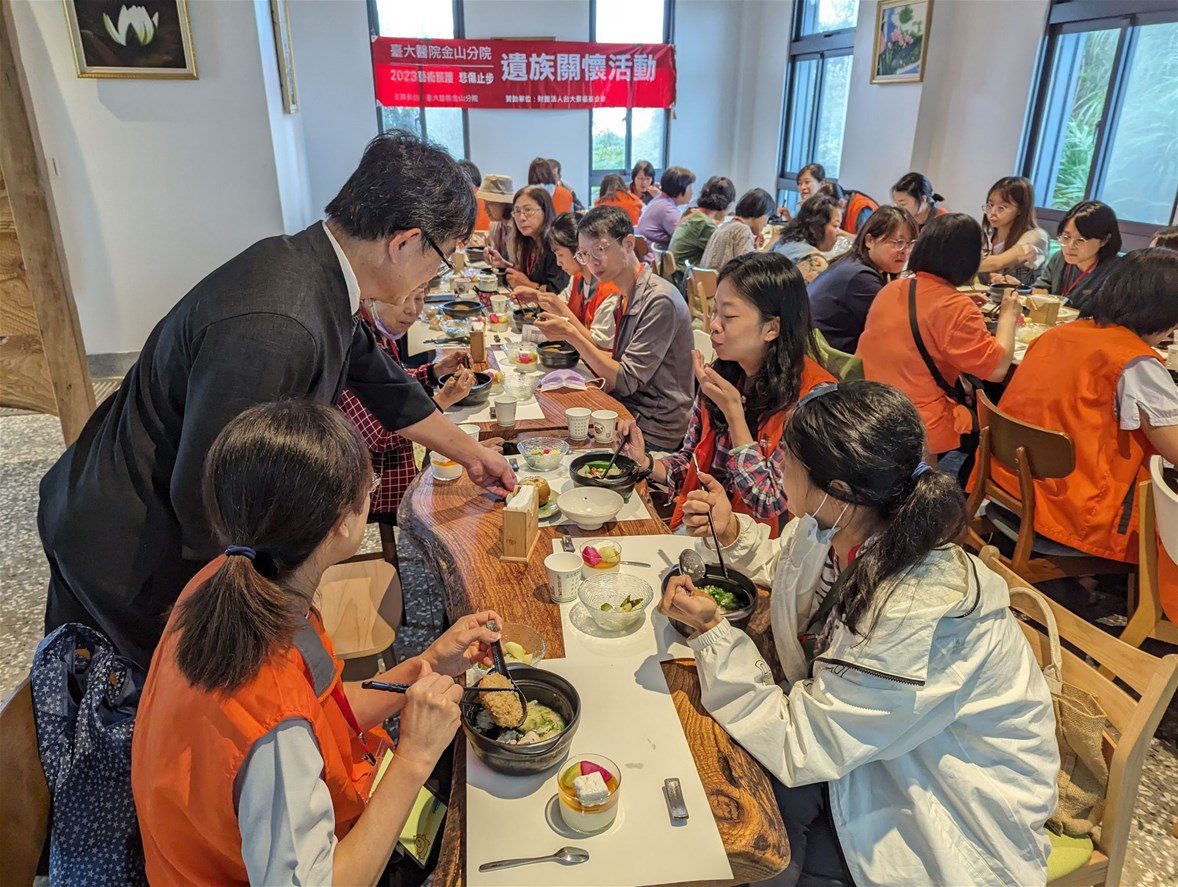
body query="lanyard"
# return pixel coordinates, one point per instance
(345, 707)
(624, 302)
(1067, 289)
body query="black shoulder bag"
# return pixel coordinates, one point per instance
(958, 393)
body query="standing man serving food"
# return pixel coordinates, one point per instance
(121, 515)
(649, 368)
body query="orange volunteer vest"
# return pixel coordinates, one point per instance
(482, 221)
(1068, 382)
(626, 201)
(768, 439)
(855, 206)
(189, 745)
(584, 310)
(562, 199)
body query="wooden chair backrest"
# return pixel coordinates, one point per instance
(669, 265)
(705, 282)
(1134, 718)
(1049, 453)
(641, 247)
(24, 797)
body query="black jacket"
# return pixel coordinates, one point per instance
(121, 515)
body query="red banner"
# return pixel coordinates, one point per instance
(522, 74)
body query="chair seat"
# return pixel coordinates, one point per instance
(1068, 854)
(1007, 523)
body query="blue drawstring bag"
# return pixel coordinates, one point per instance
(85, 697)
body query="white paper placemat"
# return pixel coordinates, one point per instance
(628, 716)
(482, 412)
(559, 481)
(655, 636)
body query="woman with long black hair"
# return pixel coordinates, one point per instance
(912, 741)
(534, 262)
(764, 344)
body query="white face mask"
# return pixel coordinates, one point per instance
(805, 554)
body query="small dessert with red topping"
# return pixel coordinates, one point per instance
(589, 794)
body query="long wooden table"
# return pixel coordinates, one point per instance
(457, 526)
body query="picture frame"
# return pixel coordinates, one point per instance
(284, 47)
(131, 39)
(901, 40)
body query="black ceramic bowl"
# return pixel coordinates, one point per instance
(525, 760)
(998, 291)
(526, 314)
(478, 394)
(737, 583)
(475, 254)
(461, 309)
(557, 355)
(623, 484)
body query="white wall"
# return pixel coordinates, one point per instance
(158, 181)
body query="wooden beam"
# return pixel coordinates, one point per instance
(27, 182)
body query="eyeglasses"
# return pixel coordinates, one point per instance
(1000, 208)
(1068, 240)
(524, 212)
(598, 252)
(375, 483)
(441, 255)
(901, 246)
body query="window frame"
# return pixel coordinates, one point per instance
(459, 34)
(596, 175)
(1067, 17)
(819, 46)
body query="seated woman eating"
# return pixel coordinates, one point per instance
(857, 207)
(392, 455)
(533, 261)
(664, 212)
(761, 331)
(1089, 240)
(742, 233)
(915, 193)
(810, 233)
(1101, 382)
(1015, 244)
(614, 192)
(841, 297)
(642, 183)
(248, 764)
(950, 327)
(691, 237)
(912, 741)
(588, 303)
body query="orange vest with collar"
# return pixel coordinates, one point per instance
(189, 746)
(1068, 382)
(769, 439)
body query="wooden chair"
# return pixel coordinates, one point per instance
(701, 292)
(24, 798)
(361, 603)
(1157, 525)
(641, 247)
(1134, 713)
(669, 267)
(1032, 453)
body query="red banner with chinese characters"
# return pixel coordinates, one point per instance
(522, 74)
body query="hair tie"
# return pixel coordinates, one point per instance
(817, 391)
(921, 469)
(243, 550)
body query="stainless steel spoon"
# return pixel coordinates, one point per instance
(566, 855)
(691, 564)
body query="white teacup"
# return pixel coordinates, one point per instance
(505, 406)
(564, 576)
(578, 419)
(604, 423)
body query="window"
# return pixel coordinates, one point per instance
(817, 86)
(424, 18)
(1104, 125)
(620, 137)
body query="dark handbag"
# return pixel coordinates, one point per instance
(959, 393)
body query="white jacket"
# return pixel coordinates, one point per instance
(936, 733)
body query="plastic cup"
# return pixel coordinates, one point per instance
(444, 469)
(564, 576)
(505, 406)
(604, 423)
(578, 419)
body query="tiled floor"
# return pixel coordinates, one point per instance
(29, 445)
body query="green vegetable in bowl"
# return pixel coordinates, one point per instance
(724, 599)
(629, 605)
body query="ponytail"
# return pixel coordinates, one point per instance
(277, 480)
(862, 443)
(232, 624)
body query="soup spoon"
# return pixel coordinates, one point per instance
(567, 855)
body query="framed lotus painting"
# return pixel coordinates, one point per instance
(131, 38)
(901, 40)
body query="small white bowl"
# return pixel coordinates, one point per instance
(588, 572)
(590, 507)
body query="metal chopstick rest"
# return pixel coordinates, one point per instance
(675, 803)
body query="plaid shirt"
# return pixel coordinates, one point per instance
(743, 471)
(392, 455)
